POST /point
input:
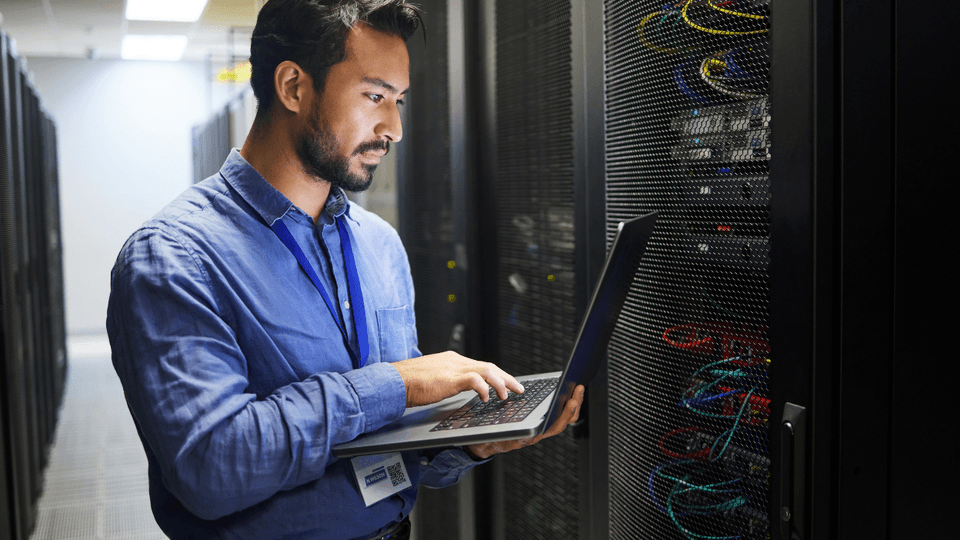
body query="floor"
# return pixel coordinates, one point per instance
(95, 483)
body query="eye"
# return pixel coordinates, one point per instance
(401, 102)
(376, 98)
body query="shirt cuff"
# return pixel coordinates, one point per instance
(446, 467)
(381, 394)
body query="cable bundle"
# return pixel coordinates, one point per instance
(722, 71)
(690, 495)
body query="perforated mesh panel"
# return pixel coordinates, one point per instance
(688, 135)
(429, 220)
(427, 226)
(536, 245)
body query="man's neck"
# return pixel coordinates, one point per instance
(272, 155)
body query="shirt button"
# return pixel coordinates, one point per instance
(346, 304)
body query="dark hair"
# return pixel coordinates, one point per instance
(313, 33)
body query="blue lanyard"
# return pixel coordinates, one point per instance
(353, 284)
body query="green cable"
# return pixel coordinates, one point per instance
(683, 530)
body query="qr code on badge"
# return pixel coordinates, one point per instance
(396, 474)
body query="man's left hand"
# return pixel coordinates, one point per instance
(570, 414)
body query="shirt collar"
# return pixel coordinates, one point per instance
(265, 199)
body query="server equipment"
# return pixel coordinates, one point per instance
(436, 194)
(769, 379)
(688, 134)
(227, 129)
(33, 333)
(502, 160)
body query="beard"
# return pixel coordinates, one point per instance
(318, 150)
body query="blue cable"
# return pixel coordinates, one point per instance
(684, 87)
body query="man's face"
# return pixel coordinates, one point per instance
(350, 125)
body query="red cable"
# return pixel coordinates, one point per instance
(700, 455)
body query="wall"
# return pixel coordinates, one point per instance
(125, 150)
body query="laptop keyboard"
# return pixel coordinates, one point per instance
(500, 411)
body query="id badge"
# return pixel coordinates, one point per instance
(380, 476)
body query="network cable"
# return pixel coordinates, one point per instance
(735, 13)
(689, 496)
(686, 88)
(666, 13)
(725, 63)
(686, 6)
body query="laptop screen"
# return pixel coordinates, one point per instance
(602, 314)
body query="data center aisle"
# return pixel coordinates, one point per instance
(95, 484)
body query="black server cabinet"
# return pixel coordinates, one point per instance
(863, 209)
(547, 131)
(33, 349)
(21, 451)
(9, 507)
(536, 281)
(775, 374)
(438, 210)
(688, 135)
(501, 182)
(211, 145)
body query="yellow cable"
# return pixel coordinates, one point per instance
(711, 30)
(737, 13)
(646, 43)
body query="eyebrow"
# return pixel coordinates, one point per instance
(377, 81)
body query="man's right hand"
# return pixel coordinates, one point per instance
(434, 377)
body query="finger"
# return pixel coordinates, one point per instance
(569, 415)
(576, 413)
(512, 383)
(502, 382)
(496, 381)
(577, 401)
(477, 383)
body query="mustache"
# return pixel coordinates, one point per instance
(372, 145)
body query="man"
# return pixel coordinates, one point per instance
(235, 313)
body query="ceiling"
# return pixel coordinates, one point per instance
(94, 28)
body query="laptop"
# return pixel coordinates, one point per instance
(463, 419)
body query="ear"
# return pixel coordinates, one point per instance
(291, 83)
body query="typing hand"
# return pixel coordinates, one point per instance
(570, 414)
(434, 377)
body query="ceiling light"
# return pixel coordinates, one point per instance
(137, 47)
(165, 10)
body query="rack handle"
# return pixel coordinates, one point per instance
(792, 469)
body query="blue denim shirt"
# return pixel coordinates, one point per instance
(236, 373)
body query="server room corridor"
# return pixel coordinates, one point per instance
(95, 484)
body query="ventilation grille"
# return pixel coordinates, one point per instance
(429, 236)
(535, 241)
(688, 136)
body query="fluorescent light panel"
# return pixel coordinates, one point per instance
(138, 47)
(165, 10)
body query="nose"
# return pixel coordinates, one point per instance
(390, 127)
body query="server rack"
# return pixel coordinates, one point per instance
(769, 379)
(33, 332)
(211, 145)
(504, 153)
(548, 187)
(862, 210)
(225, 130)
(437, 191)
(688, 135)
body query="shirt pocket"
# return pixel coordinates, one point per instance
(395, 332)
